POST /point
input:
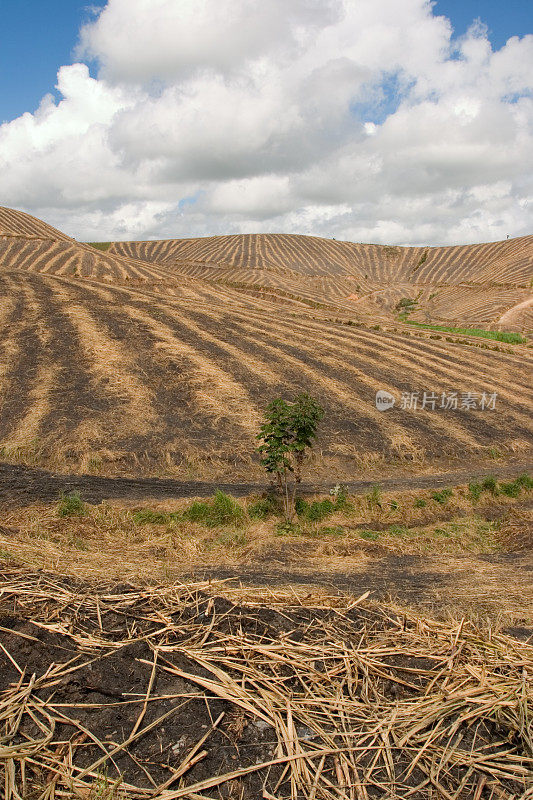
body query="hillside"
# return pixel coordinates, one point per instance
(447, 281)
(146, 359)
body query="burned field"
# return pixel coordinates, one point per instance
(376, 648)
(109, 380)
(157, 358)
(199, 691)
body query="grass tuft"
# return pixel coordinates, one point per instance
(148, 517)
(264, 508)
(490, 484)
(370, 535)
(442, 497)
(71, 505)
(222, 510)
(288, 529)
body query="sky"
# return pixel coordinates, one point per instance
(392, 121)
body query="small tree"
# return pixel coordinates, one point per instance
(286, 435)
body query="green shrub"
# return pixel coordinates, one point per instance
(442, 497)
(406, 304)
(420, 502)
(71, 505)
(287, 433)
(222, 510)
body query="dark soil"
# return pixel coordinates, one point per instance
(21, 485)
(98, 693)
(108, 638)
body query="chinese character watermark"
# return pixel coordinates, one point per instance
(426, 400)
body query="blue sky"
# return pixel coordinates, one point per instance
(38, 36)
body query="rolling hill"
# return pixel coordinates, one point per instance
(158, 357)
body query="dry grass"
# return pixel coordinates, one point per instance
(385, 540)
(364, 702)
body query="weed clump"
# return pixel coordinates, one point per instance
(288, 529)
(264, 508)
(442, 497)
(319, 510)
(71, 505)
(315, 511)
(475, 490)
(514, 488)
(340, 495)
(490, 484)
(369, 535)
(373, 498)
(222, 510)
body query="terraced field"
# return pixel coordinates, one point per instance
(470, 284)
(498, 262)
(158, 358)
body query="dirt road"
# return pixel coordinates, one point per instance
(21, 485)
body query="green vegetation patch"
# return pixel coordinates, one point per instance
(406, 305)
(222, 510)
(498, 336)
(71, 505)
(100, 245)
(148, 517)
(264, 508)
(371, 536)
(319, 510)
(442, 497)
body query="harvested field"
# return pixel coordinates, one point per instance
(101, 378)
(201, 691)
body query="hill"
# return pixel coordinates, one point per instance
(446, 281)
(144, 358)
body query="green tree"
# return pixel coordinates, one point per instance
(286, 435)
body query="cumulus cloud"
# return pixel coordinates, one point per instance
(359, 119)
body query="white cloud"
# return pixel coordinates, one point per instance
(359, 119)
